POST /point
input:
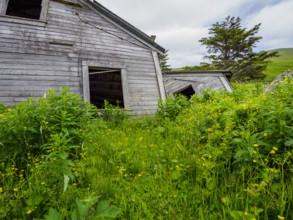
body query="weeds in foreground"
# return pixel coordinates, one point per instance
(220, 156)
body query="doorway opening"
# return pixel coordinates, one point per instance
(188, 92)
(105, 84)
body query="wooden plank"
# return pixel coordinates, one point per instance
(39, 83)
(146, 86)
(39, 78)
(35, 87)
(191, 75)
(37, 67)
(44, 11)
(159, 75)
(37, 72)
(3, 6)
(86, 83)
(125, 89)
(23, 21)
(69, 2)
(140, 81)
(145, 103)
(22, 93)
(143, 98)
(226, 83)
(143, 91)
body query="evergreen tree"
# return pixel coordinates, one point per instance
(231, 47)
(163, 58)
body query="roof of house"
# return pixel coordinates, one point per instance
(124, 24)
(224, 72)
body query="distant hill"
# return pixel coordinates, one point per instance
(276, 67)
(280, 64)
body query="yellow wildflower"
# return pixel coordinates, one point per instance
(265, 134)
(272, 152)
(1, 115)
(29, 212)
(1, 190)
(9, 109)
(275, 148)
(245, 213)
(255, 145)
(254, 161)
(281, 217)
(223, 199)
(15, 189)
(43, 183)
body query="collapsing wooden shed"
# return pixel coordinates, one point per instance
(193, 82)
(47, 44)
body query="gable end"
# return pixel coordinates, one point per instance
(122, 23)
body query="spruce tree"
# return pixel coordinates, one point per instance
(231, 47)
(163, 58)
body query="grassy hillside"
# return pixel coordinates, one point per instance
(276, 67)
(219, 156)
(280, 64)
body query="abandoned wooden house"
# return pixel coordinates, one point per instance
(193, 82)
(47, 44)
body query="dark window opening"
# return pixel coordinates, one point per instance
(188, 92)
(25, 8)
(105, 84)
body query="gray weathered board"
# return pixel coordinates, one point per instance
(176, 81)
(56, 51)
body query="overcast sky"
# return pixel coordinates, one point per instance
(179, 24)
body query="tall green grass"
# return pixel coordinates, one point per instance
(280, 64)
(219, 156)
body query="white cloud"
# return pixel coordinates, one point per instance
(183, 45)
(276, 28)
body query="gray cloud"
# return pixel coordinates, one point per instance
(179, 24)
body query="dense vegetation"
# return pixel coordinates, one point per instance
(220, 156)
(279, 64)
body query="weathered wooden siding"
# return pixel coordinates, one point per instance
(200, 82)
(34, 58)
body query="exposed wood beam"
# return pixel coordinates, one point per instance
(107, 71)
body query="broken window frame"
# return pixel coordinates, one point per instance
(184, 88)
(86, 83)
(16, 19)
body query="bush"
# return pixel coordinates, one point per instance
(218, 156)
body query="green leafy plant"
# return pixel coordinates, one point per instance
(87, 209)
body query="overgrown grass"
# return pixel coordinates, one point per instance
(277, 66)
(220, 156)
(280, 64)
